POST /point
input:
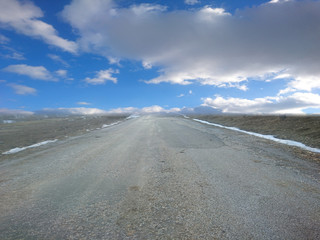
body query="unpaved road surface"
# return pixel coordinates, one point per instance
(159, 178)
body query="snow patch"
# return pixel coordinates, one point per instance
(133, 116)
(269, 137)
(109, 125)
(15, 150)
(8, 121)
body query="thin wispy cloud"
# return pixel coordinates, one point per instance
(58, 59)
(83, 103)
(191, 2)
(35, 72)
(4, 39)
(22, 89)
(61, 73)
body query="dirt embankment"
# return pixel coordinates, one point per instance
(31, 131)
(304, 129)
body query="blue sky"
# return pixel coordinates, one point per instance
(149, 56)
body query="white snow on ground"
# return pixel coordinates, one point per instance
(109, 125)
(133, 116)
(269, 137)
(15, 150)
(8, 121)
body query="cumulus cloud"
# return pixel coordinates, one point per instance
(103, 76)
(97, 111)
(209, 46)
(294, 103)
(22, 90)
(125, 110)
(35, 72)
(158, 109)
(24, 16)
(152, 109)
(145, 110)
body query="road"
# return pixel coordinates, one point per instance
(158, 177)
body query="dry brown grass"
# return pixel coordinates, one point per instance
(25, 133)
(304, 129)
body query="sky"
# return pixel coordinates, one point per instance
(98, 56)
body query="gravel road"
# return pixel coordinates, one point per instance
(160, 178)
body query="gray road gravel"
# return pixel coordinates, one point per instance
(160, 178)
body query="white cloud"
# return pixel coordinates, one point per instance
(58, 59)
(22, 90)
(103, 76)
(4, 111)
(145, 110)
(4, 39)
(191, 2)
(14, 55)
(146, 65)
(279, 1)
(152, 109)
(209, 45)
(77, 111)
(146, 8)
(182, 94)
(61, 73)
(295, 104)
(113, 60)
(158, 109)
(9, 52)
(35, 72)
(126, 110)
(23, 18)
(83, 103)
